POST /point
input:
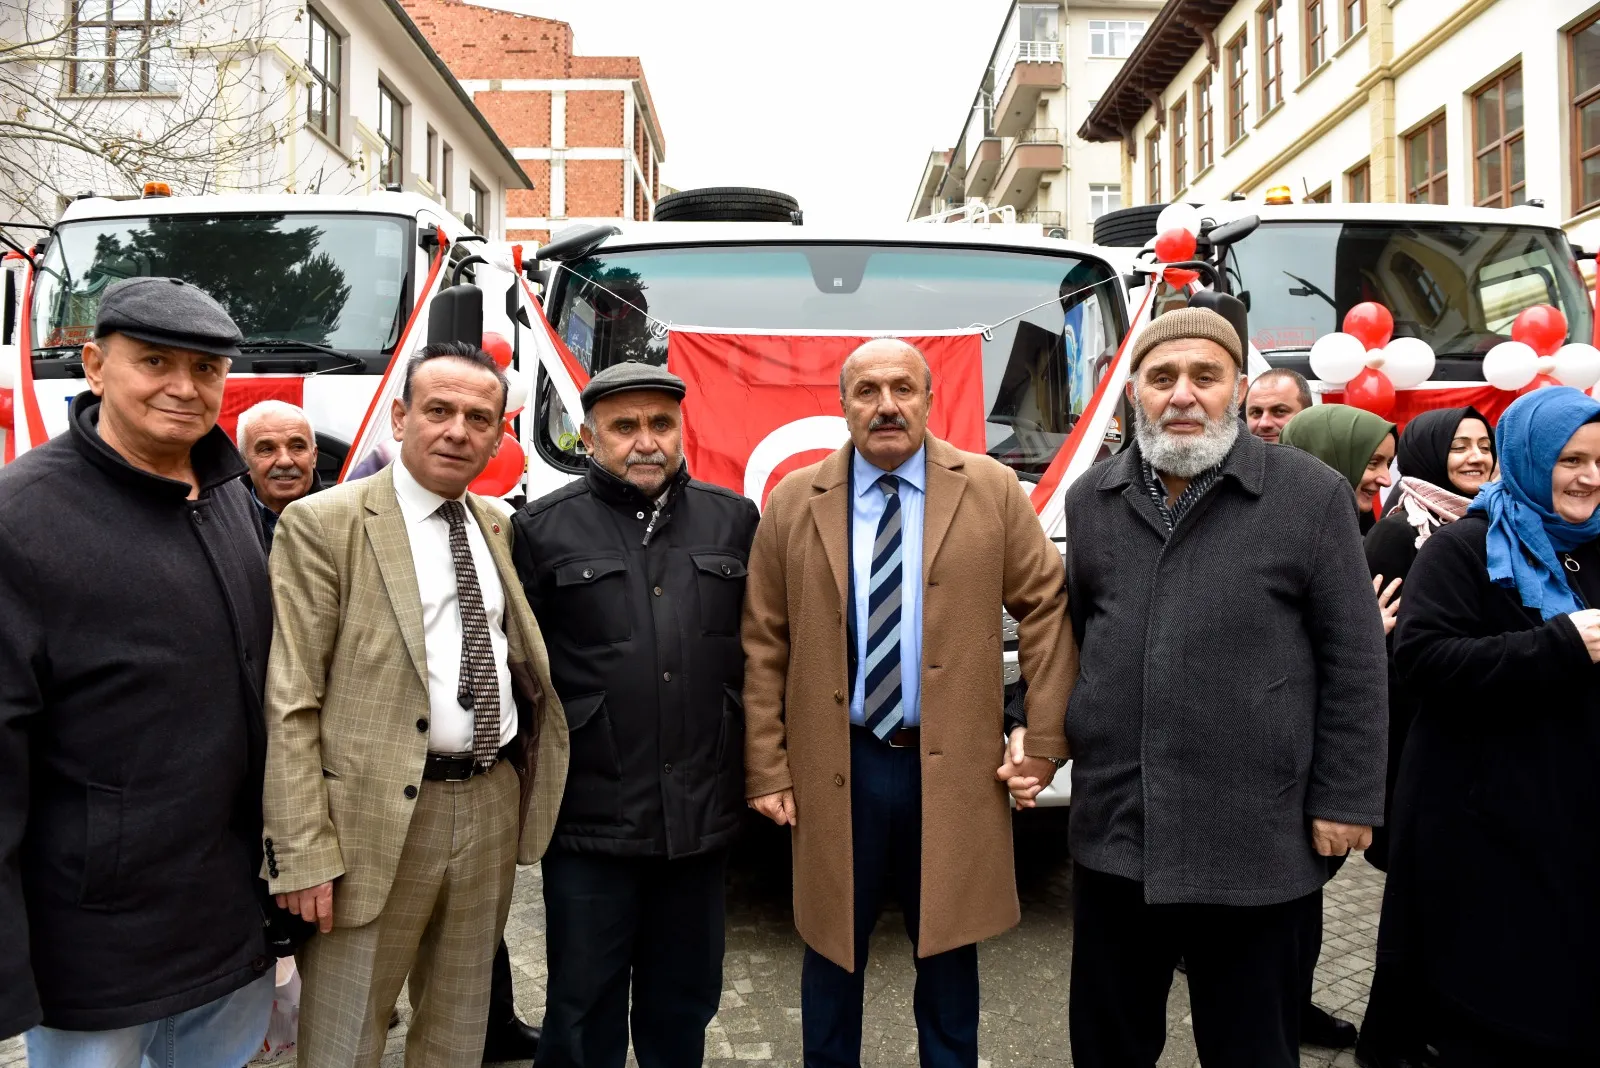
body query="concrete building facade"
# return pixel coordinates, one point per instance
(584, 127)
(1050, 64)
(324, 96)
(1482, 102)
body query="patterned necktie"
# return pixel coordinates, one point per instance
(882, 707)
(479, 689)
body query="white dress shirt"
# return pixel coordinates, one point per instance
(450, 725)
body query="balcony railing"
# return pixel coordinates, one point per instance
(1043, 218)
(1040, 135)
(1025, 52)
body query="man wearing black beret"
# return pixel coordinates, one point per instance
(137, 613)
(636, 573)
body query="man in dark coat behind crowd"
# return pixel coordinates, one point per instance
(637, 573)
(1228, 720)
(137, 622)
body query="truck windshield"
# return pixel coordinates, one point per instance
(1059, 319)
(335, 280)
(1454, 285)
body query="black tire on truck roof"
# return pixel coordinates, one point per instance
(726, 203)
(1127, 227)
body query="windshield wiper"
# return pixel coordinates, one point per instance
(1310, 290)
(288, 344)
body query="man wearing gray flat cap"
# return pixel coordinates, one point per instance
(636, 572)
(138, 618)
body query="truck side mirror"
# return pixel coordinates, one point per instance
(456, 314)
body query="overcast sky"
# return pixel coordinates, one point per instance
(837, 102)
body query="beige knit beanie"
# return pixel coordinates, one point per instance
(1184, 323)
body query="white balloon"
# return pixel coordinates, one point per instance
(1578, 365)
(517, 390)
(1179, 216)
(1337, 358)
(8, 367)
(1510, 365)
(1408, 361)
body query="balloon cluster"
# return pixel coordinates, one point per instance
(1177, 237)
(506, 468)
(1368, 361)
(1536, 356)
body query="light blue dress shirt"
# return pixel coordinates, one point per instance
(865, 510)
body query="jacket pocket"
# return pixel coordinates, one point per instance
(592, 600)
(720, 577)
(1277, 717)
(102, 846)
(594, 776)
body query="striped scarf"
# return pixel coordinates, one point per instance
(1427, 507)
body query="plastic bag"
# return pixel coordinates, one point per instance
(285, 1020)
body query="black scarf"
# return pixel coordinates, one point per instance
(1423, 451)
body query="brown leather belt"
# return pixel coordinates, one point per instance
(903, 738)
(457, 767)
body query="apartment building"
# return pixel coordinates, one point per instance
(583, 127)
(1482, 102)
(254, 96)
(1049, 67)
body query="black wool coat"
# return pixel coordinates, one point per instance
(136, 630)
(1231, 682)
(1493, 896)
(640, 615)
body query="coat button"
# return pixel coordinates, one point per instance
(198, 518)
(260, 964)
(657, 591)
(667, 675)
(588, 572)
(410, 792)
(272, 869)
(667, 769)
(422, 726)
(268, 843)
(726, 570)
(838, 697)
(638, 515)
(838, 780)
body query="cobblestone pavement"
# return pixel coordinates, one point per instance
(1024, 972)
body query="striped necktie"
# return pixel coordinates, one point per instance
(479, 689)
(882, 706)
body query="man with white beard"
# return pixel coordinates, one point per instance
(1228, 721)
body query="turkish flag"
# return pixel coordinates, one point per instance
(242, 392)
(761, 405)
(1410, 403)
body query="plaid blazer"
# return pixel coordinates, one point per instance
(347, 690)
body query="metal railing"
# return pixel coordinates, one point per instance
(1025, 52)
(1040, 135)
(973, 212)
(1043, 218)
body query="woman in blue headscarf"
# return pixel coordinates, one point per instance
(1493, 901)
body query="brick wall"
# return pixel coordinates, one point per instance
(531, 203)
(593, 118)
(594, 187)
(521, 118)
(479, 43)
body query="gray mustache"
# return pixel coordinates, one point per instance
(285, 472)
(658, 457)
(887, 420)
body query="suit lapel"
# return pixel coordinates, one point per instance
(391, 545)
(830, 510)
(946, 484)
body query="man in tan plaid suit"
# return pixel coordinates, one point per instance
(416, 748)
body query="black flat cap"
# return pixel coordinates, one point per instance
(167, 311)
(631, 377)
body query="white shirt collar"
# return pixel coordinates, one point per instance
(417, 502)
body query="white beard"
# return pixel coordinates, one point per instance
(1185, 456)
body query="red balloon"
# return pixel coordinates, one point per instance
(1372, 390)
(1178, 277)
(505, 470)
(1371, 324)
(1541, 326)
(498, 346)
(8, 411)
(1175, 246)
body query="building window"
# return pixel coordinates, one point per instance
(1152, 153)
(1114, 38)
(480, 207)
(1237, 104)
(1499, 176)
(1321, 196)
(1358, 183)
(322, 102)
(1426, 181)
(1270, 33)
(1202, 122)
(391, 131)
(1179, 121)
(1584, 47)
(447, 169)
(121, 46)
(1316, 34)
(1355, 16)
(1103, 198)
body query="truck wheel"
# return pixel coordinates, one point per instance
(1127, 227)
(727, 204)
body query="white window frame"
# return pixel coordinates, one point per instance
(1105, 33)
(1104, 197)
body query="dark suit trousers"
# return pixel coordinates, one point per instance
(1246, 968)
(612, 923)
(886, 827)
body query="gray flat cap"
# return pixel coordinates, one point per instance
(630, 377)
(167, 311)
